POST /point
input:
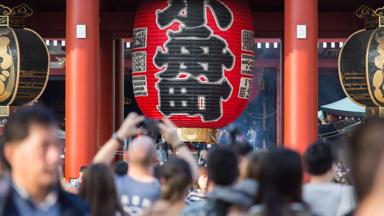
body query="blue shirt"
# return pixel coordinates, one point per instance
(25, 206)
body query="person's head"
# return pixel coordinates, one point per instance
(319, 160)
(156, 171)
(321, 117)
(31, 147)
(330, 118)
(253, 166)
(3, 165)
(202, 179)
(121, 168)
(280, 180)
(202, 161)
(222, 166)
(141, 152)
(242, 149)
(366, 149)
(82, 170)
(175, 178)
(98, 189)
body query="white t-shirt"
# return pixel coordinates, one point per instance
(329, 199)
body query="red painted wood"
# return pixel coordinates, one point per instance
(106, 90)
(82, 75)
(268, 24)
(119, 82)
(300, 75)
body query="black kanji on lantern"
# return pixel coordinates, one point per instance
(195, 51)
(192, 13)
(196, 57)
(181, 96)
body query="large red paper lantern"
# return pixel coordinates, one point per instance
(193, 60)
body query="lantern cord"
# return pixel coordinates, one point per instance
(343, 129)
(334, 135)
(339, 132)
(332, 132)
(263, 117)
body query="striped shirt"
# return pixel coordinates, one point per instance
(194, 196)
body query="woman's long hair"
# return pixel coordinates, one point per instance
(98, 188)
(175, 177)
(280, 181)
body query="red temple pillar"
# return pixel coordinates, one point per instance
(82, 75)
(107, 90)
(119, 82)
(300, 73)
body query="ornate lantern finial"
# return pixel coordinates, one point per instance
(373, 18)
(14, 17)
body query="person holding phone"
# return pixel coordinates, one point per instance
(140, 189)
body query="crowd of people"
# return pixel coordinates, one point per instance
(232, 180)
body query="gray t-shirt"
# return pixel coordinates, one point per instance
(329, 199)
(135, 195)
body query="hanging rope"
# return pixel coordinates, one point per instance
(338, 132)
(261, 118)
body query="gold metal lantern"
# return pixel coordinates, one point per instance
(24, 59)
(361, 62)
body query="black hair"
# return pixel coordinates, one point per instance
(156, 171)
(319, 158)
(366, 148)
(255, 161)
(222, 166)
(4, 164)
(121, 168)
(242, 148)
(178, 177)
(83, 169)
(20, 122)
(280, 181)
(99, 190)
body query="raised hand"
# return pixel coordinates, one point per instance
(169, 132)
(129, 126)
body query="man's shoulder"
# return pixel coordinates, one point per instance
(136, 180)
(73, 203)
(329, 186)
(149, 183)
(320, 186)
(200, 208)
(128, 186)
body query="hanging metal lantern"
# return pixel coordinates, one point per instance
(193, 62)
(24, 67)
(361, 62)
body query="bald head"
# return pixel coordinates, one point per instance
(140, 151)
